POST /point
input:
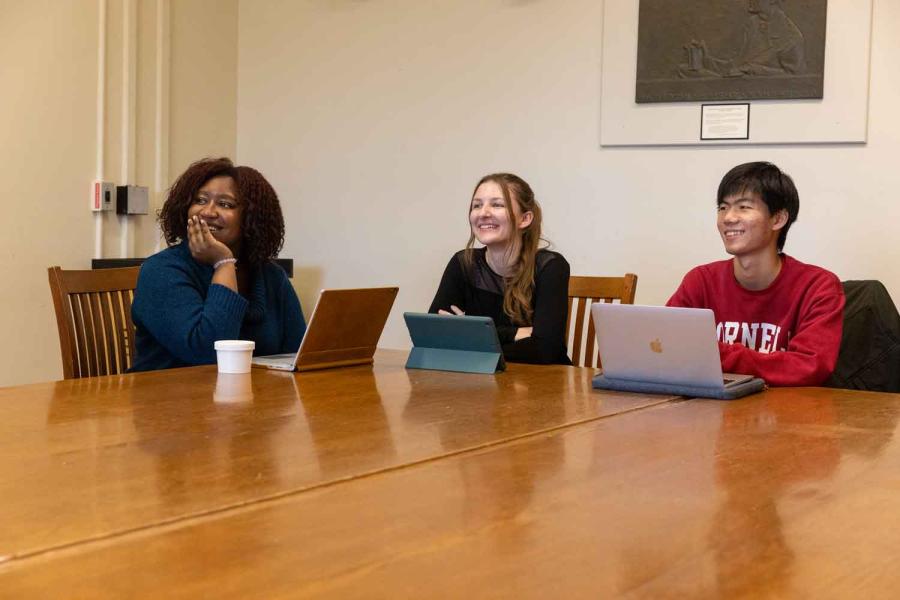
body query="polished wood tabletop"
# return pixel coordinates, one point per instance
(92, 458)
(789, 493)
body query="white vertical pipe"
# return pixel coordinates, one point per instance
(129, 117)
(161, 123)
(101, 118)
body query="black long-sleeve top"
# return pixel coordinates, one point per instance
(478, 291)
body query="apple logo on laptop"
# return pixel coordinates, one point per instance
(656, 346)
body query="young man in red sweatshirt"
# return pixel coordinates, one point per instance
(776, 317)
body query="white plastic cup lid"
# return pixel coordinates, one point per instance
(235, 345)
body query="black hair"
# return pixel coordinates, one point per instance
(774, 186)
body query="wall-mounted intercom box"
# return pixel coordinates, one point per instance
(132, 200)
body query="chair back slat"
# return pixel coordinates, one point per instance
(96, 328)
(93, 316)
(586, 291)
(579, 326)
(127, 297)
(117, 323)
(104, 308)
(99, 335)
(590, 339)
(89, 335)
(79, 344)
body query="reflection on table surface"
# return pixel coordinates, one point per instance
(790, 493)
(86, 459)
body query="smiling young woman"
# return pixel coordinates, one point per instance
(216, 281)
(522, 287)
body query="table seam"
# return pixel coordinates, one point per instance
(175, 522)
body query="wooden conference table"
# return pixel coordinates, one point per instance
(381, 482)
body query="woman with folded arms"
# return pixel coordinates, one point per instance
(217, 280)
(522, 287)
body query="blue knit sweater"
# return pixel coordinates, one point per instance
(179, 314)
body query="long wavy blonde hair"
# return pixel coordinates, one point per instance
(519, 287)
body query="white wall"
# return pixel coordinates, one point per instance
(48, 141)
(375, 118)
(43, 222)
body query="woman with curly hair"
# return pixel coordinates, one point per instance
(522, 287)
(216, 280)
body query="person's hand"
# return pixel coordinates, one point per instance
(456, 311)
(523, 332)
(205, 248)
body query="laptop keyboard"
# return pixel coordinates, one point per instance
(276, 359)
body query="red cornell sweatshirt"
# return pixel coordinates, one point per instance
(787, 334)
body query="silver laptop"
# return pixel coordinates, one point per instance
(343, 330)
(660, 344)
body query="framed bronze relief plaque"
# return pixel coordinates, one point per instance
(696, 50)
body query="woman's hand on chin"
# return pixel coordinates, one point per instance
(205, 248)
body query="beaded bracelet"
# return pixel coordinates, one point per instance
(219, 263)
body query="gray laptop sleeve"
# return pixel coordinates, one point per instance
(728, 392)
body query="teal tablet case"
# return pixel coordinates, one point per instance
(728, 392)
(454, 343)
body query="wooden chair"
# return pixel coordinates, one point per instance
(585, 291)
(93, 314)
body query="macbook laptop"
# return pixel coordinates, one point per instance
(665, 349)
(343, 330)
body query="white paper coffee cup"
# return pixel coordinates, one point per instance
(234, 356)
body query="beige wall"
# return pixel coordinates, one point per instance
(46, 165)
(48, 70)
(204, 81)
(374, 120)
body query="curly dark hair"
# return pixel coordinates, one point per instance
(262, 224)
